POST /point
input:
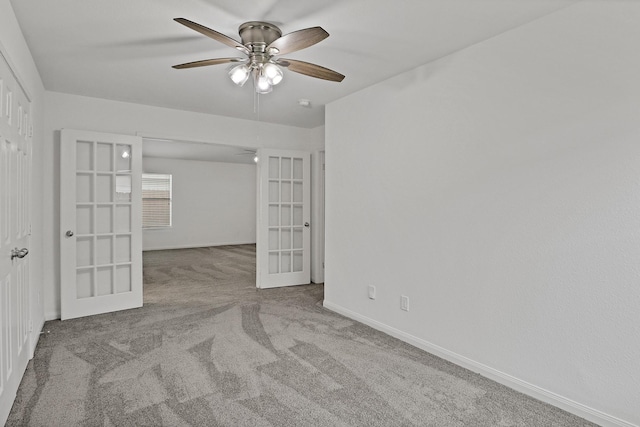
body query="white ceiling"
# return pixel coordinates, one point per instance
(123, 50)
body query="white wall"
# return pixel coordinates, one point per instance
(14, 47)
(213, 204)
(498, 188)
(78, 112)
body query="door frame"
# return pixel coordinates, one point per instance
(317, 216)
(317, 205)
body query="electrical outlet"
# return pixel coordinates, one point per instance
(372, 292)
(404, 302)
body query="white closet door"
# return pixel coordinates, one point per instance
(283, 238)
(100, 223)
(15, 229)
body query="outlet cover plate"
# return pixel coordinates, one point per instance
(372, 292)
(404, 302)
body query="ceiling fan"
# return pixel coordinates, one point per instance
(262, 42)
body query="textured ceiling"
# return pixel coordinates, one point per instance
(123, 50)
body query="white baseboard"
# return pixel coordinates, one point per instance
(510, 381)
(194, 245)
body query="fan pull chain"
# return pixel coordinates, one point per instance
(256, 110)
(256, 104)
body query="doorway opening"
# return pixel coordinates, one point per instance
(215, 195)
(209, 247)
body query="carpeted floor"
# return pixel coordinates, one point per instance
(208, 349)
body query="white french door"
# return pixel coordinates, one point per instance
(15, 229)
(100, 223)
(283, 237)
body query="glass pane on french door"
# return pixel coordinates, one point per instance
(103, 218)
(286, 241)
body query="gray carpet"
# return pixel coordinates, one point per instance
(208, 349)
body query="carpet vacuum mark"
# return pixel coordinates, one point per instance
(208, 349)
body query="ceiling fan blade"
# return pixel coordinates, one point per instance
(298, 40)
(213, 34)
(206, 62)
(312, 70)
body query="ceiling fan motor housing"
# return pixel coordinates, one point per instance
(257, 35)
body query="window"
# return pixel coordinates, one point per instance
(156, 200)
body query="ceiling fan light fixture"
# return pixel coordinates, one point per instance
(273, 73)
(239, 74)
(262, 84)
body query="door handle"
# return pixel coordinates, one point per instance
(306, 224)
(69, 233)
(19, 253)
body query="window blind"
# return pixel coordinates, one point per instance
(156, 200)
